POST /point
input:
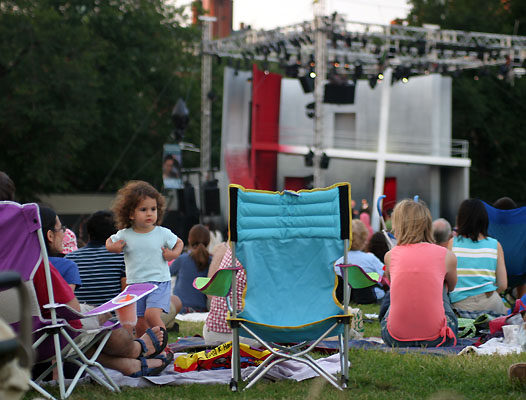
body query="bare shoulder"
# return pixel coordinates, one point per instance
(451, 259)
(387, 257)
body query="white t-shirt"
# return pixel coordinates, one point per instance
(143, 254)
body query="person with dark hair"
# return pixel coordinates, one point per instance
(505, 203)
(7, 187)
(53, 232)
(378, 245)
(189, 266)
(103, 273)
(481, 267)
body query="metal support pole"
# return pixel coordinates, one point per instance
(379, 179)
(206, 87)
(320, 59)
(206, 106)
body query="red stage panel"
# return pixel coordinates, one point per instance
(266, 93)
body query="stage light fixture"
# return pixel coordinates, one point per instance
(309, 159)
(358, 70)
(265, 66)
(372, 81)
(324, 161)
(180, 119)
(310, 109)
(346, 63)
(292, 70)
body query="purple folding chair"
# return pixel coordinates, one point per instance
(22, 249)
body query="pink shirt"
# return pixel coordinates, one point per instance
(417, 281)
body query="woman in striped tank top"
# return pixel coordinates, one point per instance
(480, 262)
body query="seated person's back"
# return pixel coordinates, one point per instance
(419, 313)
(189, 266)
(367, 261)
(102, 273)
(481, 266)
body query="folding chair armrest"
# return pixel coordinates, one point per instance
(358, 278)
(128, 296)
(49, 327)
(217, 285)
(64, 311)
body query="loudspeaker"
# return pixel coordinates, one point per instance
(338, 94)
(307, 83)
(186, 200)
(212, 206)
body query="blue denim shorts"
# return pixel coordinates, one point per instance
(159, 298)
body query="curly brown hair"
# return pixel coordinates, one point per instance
(129, 196)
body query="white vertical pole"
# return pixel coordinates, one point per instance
(320, 58)
(379, 179)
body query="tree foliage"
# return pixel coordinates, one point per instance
(87, 88)
(488, 112)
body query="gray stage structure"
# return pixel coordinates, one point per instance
(377, 58)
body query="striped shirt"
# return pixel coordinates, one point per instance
(100, 271)
(476, 267)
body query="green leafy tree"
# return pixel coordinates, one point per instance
(87, 89)
(489, 111)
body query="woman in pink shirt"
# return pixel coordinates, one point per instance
(421, 274)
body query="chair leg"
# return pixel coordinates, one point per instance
(236, 362)
(41, 391)
(59, 366)
(345, 359)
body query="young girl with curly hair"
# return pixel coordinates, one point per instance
(139, 209)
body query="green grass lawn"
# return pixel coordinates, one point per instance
(373, 375)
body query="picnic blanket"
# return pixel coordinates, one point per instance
(292, 369)
(196, 343)
(285, 370)
(494, 346)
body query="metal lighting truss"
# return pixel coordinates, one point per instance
(373, 47)
(354, 49)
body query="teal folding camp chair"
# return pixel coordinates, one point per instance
(288, 243)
